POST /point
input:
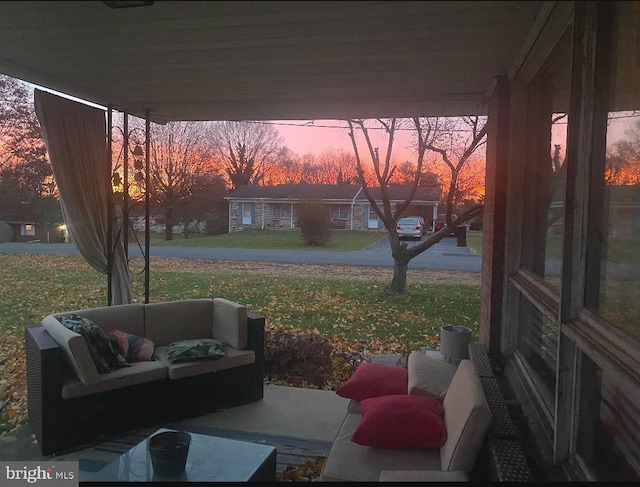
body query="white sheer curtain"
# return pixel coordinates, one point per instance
(75, 136)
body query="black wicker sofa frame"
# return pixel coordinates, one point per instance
(64, 424)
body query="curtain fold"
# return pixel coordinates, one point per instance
(75, 137)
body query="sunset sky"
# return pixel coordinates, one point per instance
(317, 135)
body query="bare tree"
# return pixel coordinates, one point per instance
(429, 136)
(455, 140)
(246, 150)
(178, 165)
(27, 186)
(20, 135)
(335, 167)
(623, 159)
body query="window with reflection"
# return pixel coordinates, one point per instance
(546, 180)
(608, 430)
(617, 218)
(538, 345)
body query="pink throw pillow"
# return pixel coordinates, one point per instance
(373, 380)
(401, 422)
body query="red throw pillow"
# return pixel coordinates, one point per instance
(401, 422)
(373, 380)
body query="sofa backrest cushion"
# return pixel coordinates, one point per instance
(128, 318)
(230, 323)
(168, 322)
(466, 419)
(75, 348)
(429, 375)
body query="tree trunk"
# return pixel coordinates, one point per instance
(168, 229)
(401, 260)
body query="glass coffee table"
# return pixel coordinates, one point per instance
(211, 459)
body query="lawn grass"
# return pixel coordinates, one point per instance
(474, 241)
(348, 308)
(340, 241)
(33, 286)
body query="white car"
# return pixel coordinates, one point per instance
(411, 227)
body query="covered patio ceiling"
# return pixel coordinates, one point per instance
(265, 60)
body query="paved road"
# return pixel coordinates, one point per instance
(446, 254)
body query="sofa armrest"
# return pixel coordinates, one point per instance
(256, 342)
(75, 348)
(466, 418)
(47, 368)
(230, 323)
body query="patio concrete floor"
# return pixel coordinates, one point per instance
(287, 411)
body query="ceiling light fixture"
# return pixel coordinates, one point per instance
(127, 3)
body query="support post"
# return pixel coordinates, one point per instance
(109, 209)
(147, 207)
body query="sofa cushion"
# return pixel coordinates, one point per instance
(138, 373)
(372, 380)
(348, 461)
(178, 320)
(132, 347)
(230, 323)
(103, 350)
(178, 370)
(75, 348)
(401, 422)
(195, 349)
(466, 419)
(429, 375)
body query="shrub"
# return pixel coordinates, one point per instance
(299, 357)
(314, 222)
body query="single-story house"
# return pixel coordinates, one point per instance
(274, 207)
(32, 231)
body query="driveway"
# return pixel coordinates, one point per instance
(443, 255)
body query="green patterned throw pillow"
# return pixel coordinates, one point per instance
(103, 350)
(197, 349)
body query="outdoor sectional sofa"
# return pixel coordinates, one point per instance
(386, 433)
(71, 404)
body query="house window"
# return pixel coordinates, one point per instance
(28, 230)
(616, 299)
(373, 221)
(281, 210)
(575, 306)
(248, 212)
(340, 212)
(607, 428)
(541, 197)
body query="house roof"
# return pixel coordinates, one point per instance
(285, 192)
(430, 194)
(275, 60)
(330, 192)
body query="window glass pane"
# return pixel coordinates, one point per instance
(340, 212)
(281, 210)
(618, 217)
(556, 193)
(545, 172)
(608, 436)
(538, 345)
